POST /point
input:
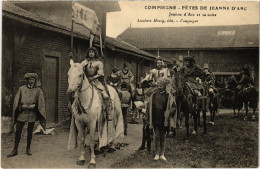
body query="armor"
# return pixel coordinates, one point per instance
(94, 68)
(155, 74)
(209, 79)
(127, 77)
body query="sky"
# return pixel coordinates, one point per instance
(238, 13)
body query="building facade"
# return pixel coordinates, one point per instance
(225, 48)
(34, 44)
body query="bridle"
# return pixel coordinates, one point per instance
(79, 89)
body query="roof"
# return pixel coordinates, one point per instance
(112, 42)
(9, 9)
(242, 36)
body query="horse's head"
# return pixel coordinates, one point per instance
(75, 76)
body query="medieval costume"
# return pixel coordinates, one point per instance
(94, 70)
(191, 71)
(209, 78)
(156, 73)
(246, 80)
(114, 79)
(161, 114)
(28, 107)
(125, 98)
(127, 76)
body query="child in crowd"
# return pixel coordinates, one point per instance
(125, 98)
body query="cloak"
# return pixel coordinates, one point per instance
(170, 114)
(40, 111)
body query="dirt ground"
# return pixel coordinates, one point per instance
(230, 143)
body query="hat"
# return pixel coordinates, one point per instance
(27, 76)
(246, 70)
(188, 58)
(126, 65)
(115, 70)
(206, 66)
(163, 81)
(158, 59)
(95, 50)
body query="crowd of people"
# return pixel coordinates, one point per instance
(154, 97)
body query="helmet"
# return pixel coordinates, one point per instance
(206, 66)
(158, 59)
(115, 70)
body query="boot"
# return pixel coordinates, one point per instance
(28, 151)
(13, 153)
(28, 148)
(16, 144)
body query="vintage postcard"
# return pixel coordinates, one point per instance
(130, 84)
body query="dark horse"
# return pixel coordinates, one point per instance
(248, 96)
(184, 101)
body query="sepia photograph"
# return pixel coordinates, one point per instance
(130, 84)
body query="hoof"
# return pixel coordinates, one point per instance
(194, 132)
(111, 150)
(92, 165)
(253, 118)
(211, 123)
(80, 162)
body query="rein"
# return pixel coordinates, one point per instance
(81, 90)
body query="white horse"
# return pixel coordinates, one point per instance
(91, 101)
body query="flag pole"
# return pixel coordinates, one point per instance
(71, 35)
(71, 44)
(101, 45)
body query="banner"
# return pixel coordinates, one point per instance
(86, 17)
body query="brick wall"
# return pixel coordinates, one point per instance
(30, 43)
(25, 48)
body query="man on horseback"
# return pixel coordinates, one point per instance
(246, 80)
(94, 71)
(191, 71)
(127, 76)
(114, 79)
(209, 78)
(158, 71)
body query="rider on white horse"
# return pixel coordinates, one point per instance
(94, 71)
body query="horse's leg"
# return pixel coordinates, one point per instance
(246, 107)
(198, 117)
(92, 162)
(187, 116)
(235, 106)
(80, 127)
(204, 121)
(195, 118)
(254, 109)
